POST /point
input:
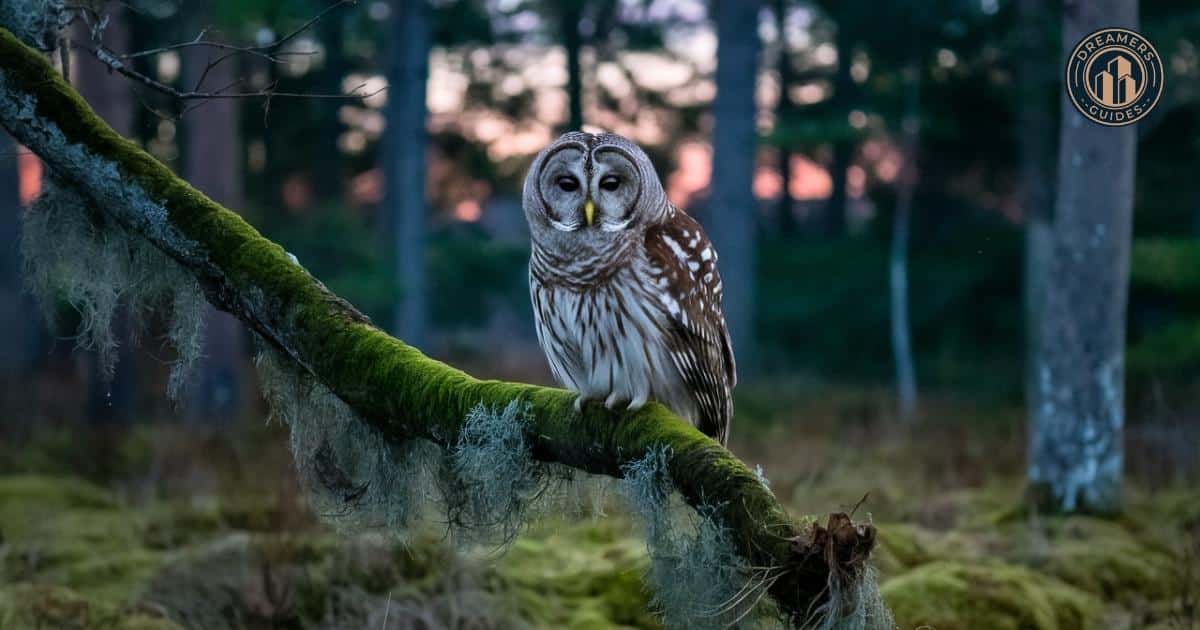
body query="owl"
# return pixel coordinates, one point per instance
(625, 289)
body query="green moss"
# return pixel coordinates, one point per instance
(173, 525)
(40, 606)
(53, 493)
(587, 575)
(67, 532)
(986, 596)
(1179, 506)
(900, 547)
(1104, 558)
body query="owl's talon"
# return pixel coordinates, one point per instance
(579, 403)
(612, 401)
(636, 404)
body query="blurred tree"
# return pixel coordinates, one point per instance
(327, 167)
(1037, 65)
(405, 165)
(845, 97)
(16, 349)
(110, 399)
(570, 12)
(906, 184)
(211, 151)
(784, 110)
(110, 95)
(733, 208)
(1075, 450)
(593, 23)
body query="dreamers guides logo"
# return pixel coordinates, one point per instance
(1114, 77)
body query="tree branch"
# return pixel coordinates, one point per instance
(399, 391)
(116, 61)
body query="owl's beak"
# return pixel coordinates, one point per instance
(589, 211)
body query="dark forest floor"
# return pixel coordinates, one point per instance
(171, 526)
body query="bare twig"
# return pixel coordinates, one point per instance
(270, 51)
(115, 64)
(118, 62)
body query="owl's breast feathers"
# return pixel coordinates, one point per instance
(683, 270)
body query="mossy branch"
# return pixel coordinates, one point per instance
(399, 391)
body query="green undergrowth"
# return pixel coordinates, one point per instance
(987, 596)
(955, 548)
(73, 555)
(1043, 573)
(581, 576)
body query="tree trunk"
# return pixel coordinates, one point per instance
(109, 94)
(110, 398)
(16, 329)
(786, 110)
(570, 13)
(1037, 76)
(1075, 450)
(212, 162)
(389, 385)
(836, 211)
(902, 353)
(327, 169)
(405, 146)
(732, 206)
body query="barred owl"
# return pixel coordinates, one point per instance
(625, 289)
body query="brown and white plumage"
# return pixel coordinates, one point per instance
(626, 293)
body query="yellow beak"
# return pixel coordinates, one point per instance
(589, 211)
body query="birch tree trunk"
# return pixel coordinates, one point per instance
(405, 164)
(1075, 449)
(732, 206)
(902, 352)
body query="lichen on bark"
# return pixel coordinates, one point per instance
(72, 253)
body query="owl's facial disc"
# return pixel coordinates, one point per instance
(616, 188)
(562, 185)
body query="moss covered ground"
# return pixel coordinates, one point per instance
(75, 556)
(186, 531)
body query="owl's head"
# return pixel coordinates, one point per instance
(594, 187)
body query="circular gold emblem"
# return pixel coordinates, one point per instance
(1114, 77)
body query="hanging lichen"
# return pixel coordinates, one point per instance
(852, 604)
(482, 490)
(75, 255)
(493, 478)
(698, 579)
(354, 477)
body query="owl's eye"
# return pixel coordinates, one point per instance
(610, 183)
(567, 183)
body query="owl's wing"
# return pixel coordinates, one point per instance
(684, 264)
